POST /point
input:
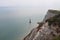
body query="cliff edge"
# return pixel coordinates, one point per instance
(48, 29)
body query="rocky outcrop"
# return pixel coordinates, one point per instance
(48, 29)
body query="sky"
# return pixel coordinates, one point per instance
(30, 7)
(29, 3)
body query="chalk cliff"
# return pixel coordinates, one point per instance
(48, 29)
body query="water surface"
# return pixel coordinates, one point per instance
(15, 27)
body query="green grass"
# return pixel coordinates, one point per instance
(56, 38)
(55, 19)
(54, 11)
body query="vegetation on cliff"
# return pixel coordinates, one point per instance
(54, 20)
(54, 11)
(56, 38)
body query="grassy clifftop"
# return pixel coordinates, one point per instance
(54, 11)
(55, 19)
(51, 13)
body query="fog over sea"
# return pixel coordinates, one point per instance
(14, 22)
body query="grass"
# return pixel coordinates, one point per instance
(56, 38)
(55, 19)
(54, 11)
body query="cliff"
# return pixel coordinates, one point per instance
(51, 13)
(48, 29)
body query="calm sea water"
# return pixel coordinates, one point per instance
(16, 28)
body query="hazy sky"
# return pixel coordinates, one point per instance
(30, 3)
(31, 7)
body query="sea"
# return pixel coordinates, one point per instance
(14, 26)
